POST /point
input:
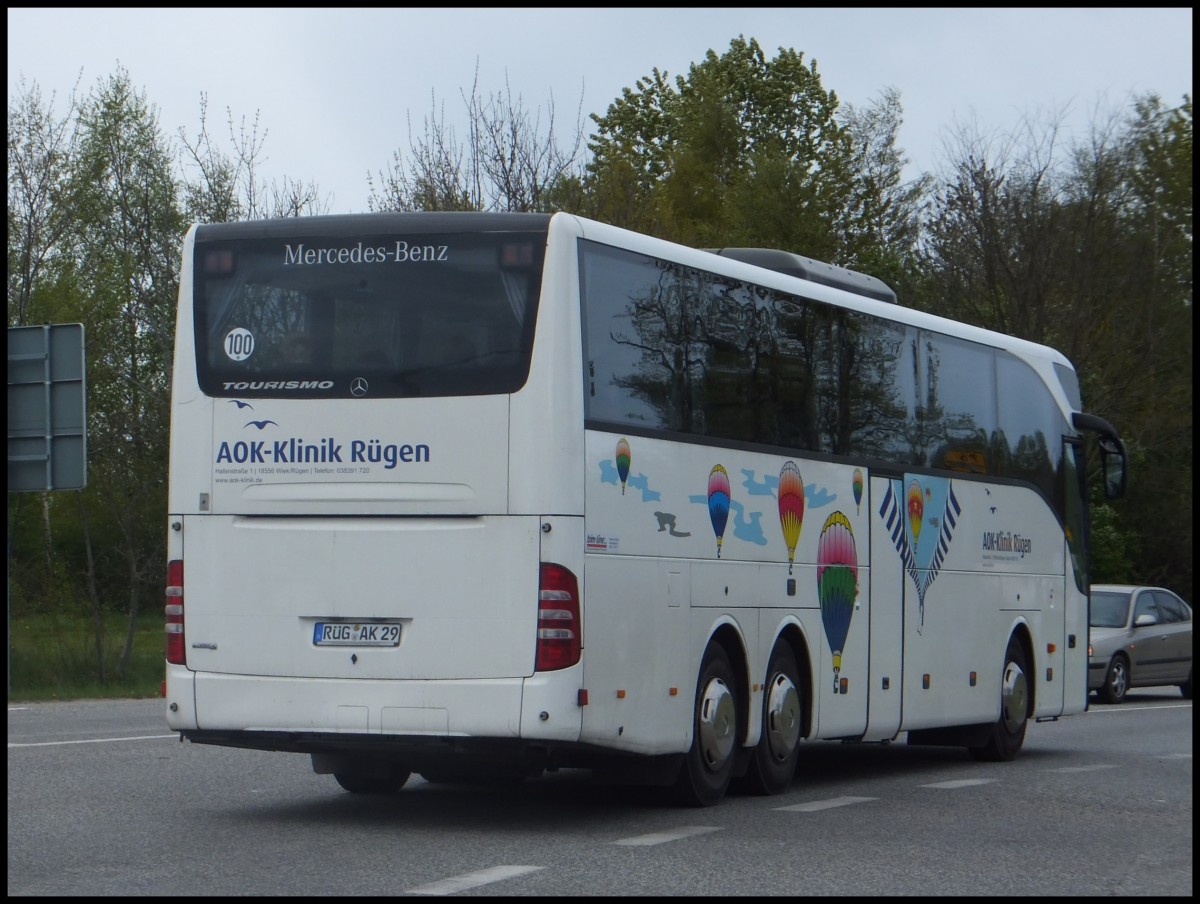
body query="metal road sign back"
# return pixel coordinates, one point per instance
(47, 408)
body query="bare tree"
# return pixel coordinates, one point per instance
(511, 160)
(227, 187)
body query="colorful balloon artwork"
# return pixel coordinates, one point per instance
(623, 459)
(916, 510)
(791, 508)
(858, 488)
(837, 584)
(718, 502)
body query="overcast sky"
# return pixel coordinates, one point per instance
(337, 89)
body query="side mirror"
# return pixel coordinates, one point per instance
(1114, 463)
(1145, 620)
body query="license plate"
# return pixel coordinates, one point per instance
(356, 634)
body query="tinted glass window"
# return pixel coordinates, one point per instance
(676, 348)
(1109, 610)
(1170, 608)
(403, 314)
(1144, 605)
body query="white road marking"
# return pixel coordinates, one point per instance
(663, 837)
(473, 880)
(152, 737)
(1094, 768)
(814, 805)
(961, 783)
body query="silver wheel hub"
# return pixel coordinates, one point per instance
(1014, 697)
(717, 730)
(782, 717)
(1118, 679)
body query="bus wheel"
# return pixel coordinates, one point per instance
(774, 761)
(708, 766)
(1008, 734)
(360, 783)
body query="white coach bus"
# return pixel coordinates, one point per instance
(482, 495)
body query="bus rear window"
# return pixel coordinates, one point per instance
(379, 316)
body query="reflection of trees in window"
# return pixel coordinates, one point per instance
(269, 313)
(710, 355)
(658, 326)
(861, 412)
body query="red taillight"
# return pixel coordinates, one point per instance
(174, 610)
(559, 632)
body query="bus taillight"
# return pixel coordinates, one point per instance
(174, 610)
(559, 632)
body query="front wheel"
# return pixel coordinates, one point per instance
(773, 764)
(1116, 681)
(1008, 734)
(708, 765)
(1186, 688)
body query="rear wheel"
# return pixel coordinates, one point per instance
(1186, 688)
(1116, 681)
(773, 764)
(1008, 734)
(708, 765)
(363, 783)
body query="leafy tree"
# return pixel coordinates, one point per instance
(125, 236)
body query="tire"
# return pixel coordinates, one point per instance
(716, 717)
(360, 783)
(1008, 734)
(1116, 681)
(1186, 688)
(773, 763)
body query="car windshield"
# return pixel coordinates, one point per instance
(1109, 610)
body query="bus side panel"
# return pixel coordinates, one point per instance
(887, 593)
(985, 558)
(635, 651)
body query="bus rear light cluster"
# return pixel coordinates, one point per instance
(559, 631)
(174, 610)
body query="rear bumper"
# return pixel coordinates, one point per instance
(273, 713)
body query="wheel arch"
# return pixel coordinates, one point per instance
(793, 635)
(1024, 636)
(728, 637)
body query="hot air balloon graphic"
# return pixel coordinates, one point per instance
(916, 510)
(718, 502)
(837, 584)
(623, 458)
(857, 483)
(791, 507)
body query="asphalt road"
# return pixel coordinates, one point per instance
(103, 800)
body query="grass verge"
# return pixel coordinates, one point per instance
(53, 657)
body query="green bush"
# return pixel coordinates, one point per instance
(53, 657)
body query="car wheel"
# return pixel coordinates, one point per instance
(1116, 681)
(708, 765)
(773, 764)
(359, 783)
(1186, 688)
(1008, 734)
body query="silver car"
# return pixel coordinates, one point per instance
(1139, 637)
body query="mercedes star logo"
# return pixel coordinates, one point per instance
(358, 386)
